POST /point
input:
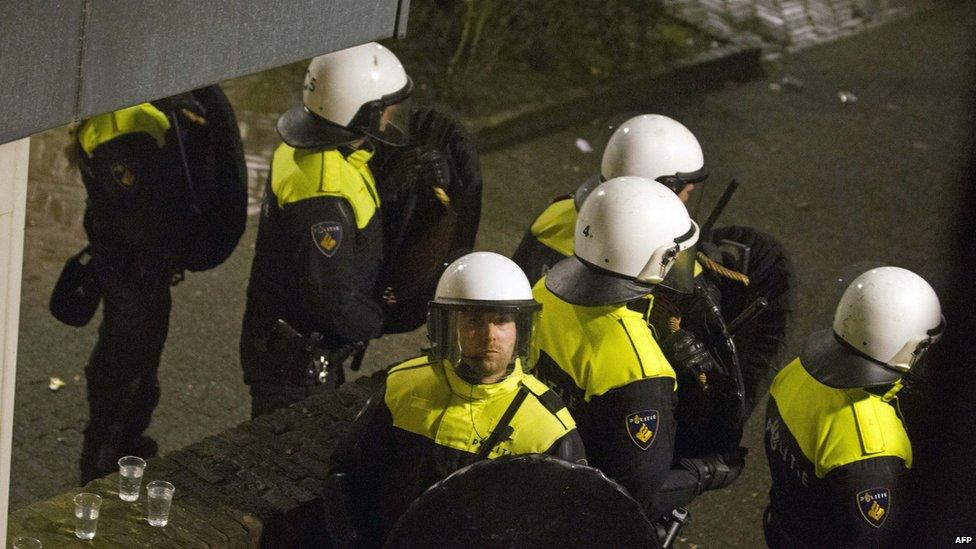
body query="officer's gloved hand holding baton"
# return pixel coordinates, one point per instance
(418, 164)
(717, 470)
(684, 350)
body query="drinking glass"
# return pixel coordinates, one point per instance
(86, 514)
(130, 477)
(159, 496)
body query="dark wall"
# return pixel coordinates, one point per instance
(62, 60)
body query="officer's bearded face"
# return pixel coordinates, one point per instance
(487, 341)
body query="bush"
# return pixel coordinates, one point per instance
(483, 55)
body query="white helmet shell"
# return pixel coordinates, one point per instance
(337, 84)
(652, 146)
(345, 95)
(483, 277)
(628, 225)
(885, 321)
(628, 233)
(481, 281)
(886, 313)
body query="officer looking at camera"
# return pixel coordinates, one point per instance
(471, 398)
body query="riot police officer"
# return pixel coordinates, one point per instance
(712, 283)
(471, 398)
(838, 451)
(649, 145)
(310, 299)
(596, 351)
(167, 192)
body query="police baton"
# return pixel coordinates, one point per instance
(194, 206)
(748, 315)
(678, 518)
(723, 201)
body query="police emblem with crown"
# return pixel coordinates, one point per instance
(327, 236)
(123, 174)
(874, 505)
(642, 428)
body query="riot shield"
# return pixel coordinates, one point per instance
(431, 204)
(524, 501)
(760, 342)
(216, 179)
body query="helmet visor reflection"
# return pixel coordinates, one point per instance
(388, 118)
(663, 258)
(452, 337)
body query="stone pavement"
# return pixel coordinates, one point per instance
(260, 484)
(836, 182)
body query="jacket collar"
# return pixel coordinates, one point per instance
(483, 391)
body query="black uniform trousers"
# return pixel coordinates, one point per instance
(122, 372)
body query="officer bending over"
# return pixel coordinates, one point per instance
(837, 448)
(471, 398)
(597, 352)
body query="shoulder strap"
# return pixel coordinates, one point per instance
(503, 428)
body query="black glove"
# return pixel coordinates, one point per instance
(717, 470)
(413, 166)
(684, 350)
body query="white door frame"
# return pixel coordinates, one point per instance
(14, 157)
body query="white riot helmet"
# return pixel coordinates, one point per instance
(348, 94)
(656, 147)
(481, 282)
(885, 321)
(627, 236)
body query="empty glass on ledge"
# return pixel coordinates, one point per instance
(27, 543)
(159, 496)
(130, 477)
(86, 514)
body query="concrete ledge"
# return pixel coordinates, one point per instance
(256, 485)
(737, 62)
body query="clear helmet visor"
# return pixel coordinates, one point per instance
(681, 276)
(393, 127)
(387, 119)
(911, 355)
(664, 258)
(482, 342)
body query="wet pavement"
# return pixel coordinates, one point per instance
(835, 181)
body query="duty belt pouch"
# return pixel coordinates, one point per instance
(304, 361)
(77, 292)
(294, 361)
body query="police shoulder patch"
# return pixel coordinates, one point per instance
(874, 505)
(123, 174)
(642, 428)
(327, 236)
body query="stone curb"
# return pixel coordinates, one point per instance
(737, 61)
(259, 484)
